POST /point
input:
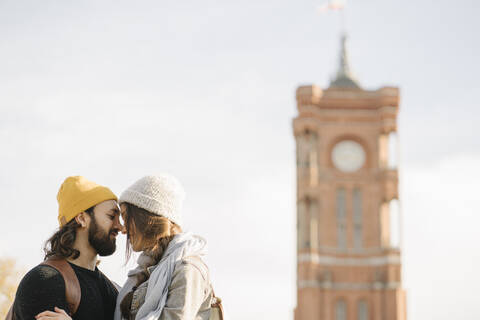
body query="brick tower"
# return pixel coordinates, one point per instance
(348, 215)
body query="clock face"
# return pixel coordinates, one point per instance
(348, 156)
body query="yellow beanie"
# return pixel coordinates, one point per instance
(78, 194)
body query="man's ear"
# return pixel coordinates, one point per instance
(82, 219)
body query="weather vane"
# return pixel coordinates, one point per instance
(335, 5)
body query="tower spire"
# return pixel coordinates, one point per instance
(344, 77)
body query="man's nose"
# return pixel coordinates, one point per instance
(120, 227)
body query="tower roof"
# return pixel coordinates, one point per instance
(344, 77)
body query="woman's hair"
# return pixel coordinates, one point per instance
(154, 233)
(60, 244)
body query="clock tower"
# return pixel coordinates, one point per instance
(348, 212)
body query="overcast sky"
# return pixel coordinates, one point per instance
(205, 90)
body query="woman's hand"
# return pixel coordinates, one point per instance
(59, 314)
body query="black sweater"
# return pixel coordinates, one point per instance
(43, 288)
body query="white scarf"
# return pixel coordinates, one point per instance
(182, 245)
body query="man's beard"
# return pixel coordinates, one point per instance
(100, 240)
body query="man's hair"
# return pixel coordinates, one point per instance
(60, 244)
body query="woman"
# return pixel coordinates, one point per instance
(171, 281)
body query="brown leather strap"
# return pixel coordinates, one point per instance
(73, 292)
(220, 307)
(10, 315)
(217, 304)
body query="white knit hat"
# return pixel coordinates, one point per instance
(161, 194)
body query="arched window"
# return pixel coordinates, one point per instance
(341, 219)
(307, 159)
(313, 159)
(392, 150)
(384, 225)
(302, 225)
(307, 223)
(394, 210)
(314, 237)
(390, 224)
(362, 310)
(383, 151)
(388, 150)
(341, 310)
(357, 218)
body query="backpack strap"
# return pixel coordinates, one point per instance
(73, 292)
(10, 314)
(198, 263)
(216, 307)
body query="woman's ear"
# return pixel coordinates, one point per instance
(82, 219)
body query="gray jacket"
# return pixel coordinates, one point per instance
(189, 294)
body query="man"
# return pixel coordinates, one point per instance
(89, 223)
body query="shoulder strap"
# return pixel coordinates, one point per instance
(10, 315)
(216, 304)
(73, 292)
(198, 263)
